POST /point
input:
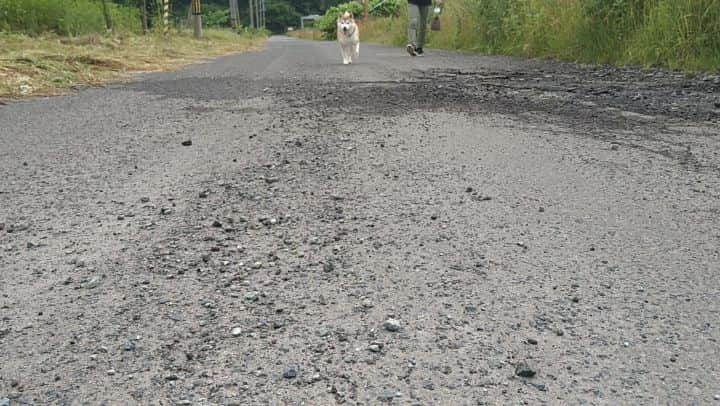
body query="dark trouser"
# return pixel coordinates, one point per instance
(417, 26)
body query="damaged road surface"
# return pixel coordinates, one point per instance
(277, 228)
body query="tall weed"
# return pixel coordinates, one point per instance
(64, 17)
(683, 34)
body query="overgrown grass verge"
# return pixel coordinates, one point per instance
(676, 34)
(50, 65)
(65, 17)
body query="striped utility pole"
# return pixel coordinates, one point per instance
(166, 16)
(197, 18)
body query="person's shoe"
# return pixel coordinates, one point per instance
(419, 52)
(411, 49)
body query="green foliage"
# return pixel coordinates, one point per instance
(279, 15)
(386, 8)
(64, 17)
(683, 34)
(215, 16)
(328, 23)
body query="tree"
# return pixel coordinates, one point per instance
(280, 14)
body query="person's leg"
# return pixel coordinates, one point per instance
(423, 12)
(413, 21)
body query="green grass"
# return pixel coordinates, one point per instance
(679, 34)
(50, 64)
(64, 17)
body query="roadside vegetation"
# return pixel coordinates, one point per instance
(50, 46)
(676, 34)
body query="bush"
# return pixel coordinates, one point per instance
(64, 17)
(328, 23)
(215, 17)
(386, 8)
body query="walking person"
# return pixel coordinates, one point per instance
(418, 13)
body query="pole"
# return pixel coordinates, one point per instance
(197, 18)
(234, 14)
(252, 14)
(263, 14)
(257, 13)
(166, 16)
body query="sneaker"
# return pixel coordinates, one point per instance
(411, 49)
(419, 52)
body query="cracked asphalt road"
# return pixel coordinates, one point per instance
(510, 216)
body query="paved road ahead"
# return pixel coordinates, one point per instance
(502, 211)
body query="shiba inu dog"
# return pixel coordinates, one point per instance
(349, 38)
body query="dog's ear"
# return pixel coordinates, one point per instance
(351, 16)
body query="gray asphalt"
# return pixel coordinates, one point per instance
(508, 215)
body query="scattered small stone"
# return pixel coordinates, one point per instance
(186, 143)
(111, 372)
(32, 244)
(540, 386)
(203, 194)
(392, 325)
(614, 147)
(328, 267)
(166, 211)
(128, 346)
(559, 332)
(468, 190)
(216, 224)
(532, 341)
(576, 299)
(290, 373)
(172, 377)
(376, 346)
(4, 402)
(144, 199)
(92, 283)
(524, 370)
(541, 210)
(717, 397)
(252, 296)
(367, 303)
(236, 332)
(387, 395)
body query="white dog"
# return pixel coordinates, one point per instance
(349, 37)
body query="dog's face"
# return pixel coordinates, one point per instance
(345, 23)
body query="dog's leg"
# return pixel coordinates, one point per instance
(346, 56)
(357, 50)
